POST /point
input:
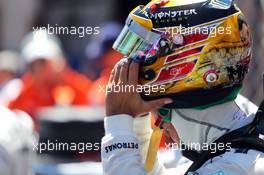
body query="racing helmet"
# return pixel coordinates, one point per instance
(196, 52)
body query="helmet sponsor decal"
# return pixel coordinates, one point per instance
(188, 15)
(174, 73)
(211, 76)
(173, 14)
(181, 37)
(184, 54)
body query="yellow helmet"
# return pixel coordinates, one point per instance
(196, 52)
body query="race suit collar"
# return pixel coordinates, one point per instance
(205, 126)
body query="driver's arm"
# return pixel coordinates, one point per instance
(125, 144)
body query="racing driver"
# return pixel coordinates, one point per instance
(193, 56)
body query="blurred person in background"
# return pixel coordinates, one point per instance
(101, 60)
(10, 67)
(16, 138)
(48, 80)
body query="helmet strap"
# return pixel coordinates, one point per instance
(164, 115)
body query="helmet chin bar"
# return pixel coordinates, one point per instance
(199, 99)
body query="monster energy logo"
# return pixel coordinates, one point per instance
(173, 14)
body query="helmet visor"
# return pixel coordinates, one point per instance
(134, 38)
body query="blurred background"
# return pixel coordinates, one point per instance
(18, 17)
(76, 62)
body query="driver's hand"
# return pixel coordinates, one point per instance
(128, 102)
